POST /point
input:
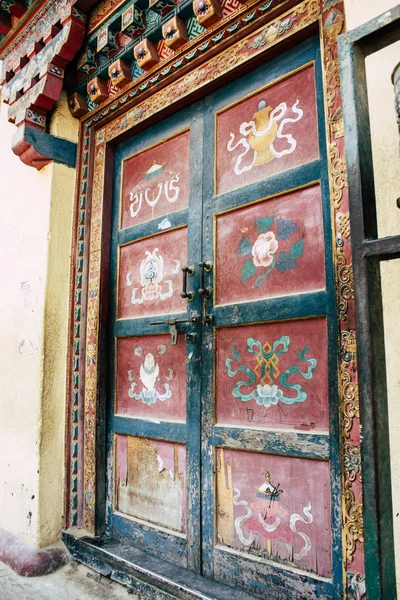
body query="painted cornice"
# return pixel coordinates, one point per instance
(33, 68)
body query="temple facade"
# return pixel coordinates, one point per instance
(200, 250)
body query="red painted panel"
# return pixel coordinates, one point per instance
(275, 507)
(272, 248)
(156, 181)
(270, 132)
(151, 377)
(150, 278)
(151, 481)
(273, 375)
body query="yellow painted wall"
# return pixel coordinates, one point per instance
(386, 154)
(35, 242)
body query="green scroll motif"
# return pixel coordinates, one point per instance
(268, 394)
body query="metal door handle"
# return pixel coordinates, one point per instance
(187, 271)
(205, 266)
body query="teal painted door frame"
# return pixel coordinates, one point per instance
(199, 548)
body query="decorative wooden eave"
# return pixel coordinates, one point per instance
(34, 62)
(10, 13)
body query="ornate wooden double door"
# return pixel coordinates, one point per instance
(223, 419)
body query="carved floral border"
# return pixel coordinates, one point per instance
(330, 16)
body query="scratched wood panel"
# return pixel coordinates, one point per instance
(150, 276)
(272, 248)
(155, 182)
(267, 133)
(275, 507)
(273, 375)
(151, 377)
(151, 481)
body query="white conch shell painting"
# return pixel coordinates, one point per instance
(149, 371)
(151, 274)
(149, 374)
(151, 268)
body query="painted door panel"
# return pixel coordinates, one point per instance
(272, 130)
(144, 392)
(239, 418)
(155, 182)
(276, 508)
(151, 481)
(150, 277)
(273, 375)
(266, 249)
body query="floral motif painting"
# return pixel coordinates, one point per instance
(267, 249)
(264, 252)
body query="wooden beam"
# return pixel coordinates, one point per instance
(5, 24)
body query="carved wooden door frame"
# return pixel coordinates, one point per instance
(262, 30)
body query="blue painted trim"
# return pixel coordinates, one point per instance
(265, 583)
(273, 186)
(151, 539)
(143, 326)
(311, 304)
(155, 430)
(49, 146)
(131, 234)
(290, 443)
(193, 350)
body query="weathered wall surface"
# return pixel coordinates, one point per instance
(385, 143)
(35, 241)
(51, 489)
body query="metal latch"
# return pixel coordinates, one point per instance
(172, 326)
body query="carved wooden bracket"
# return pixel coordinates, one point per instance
(37, 149)
(33, 70)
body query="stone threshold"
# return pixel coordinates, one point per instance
(145, 574)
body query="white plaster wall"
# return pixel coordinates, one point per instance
(24, 225)
(361, 11)
(35, 244)
(386, 155)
